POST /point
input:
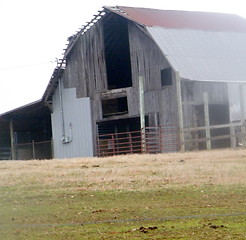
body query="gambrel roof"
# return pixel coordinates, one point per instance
(202, 46)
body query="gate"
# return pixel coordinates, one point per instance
(150, 140)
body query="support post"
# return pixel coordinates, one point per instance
(33, 150)
(142, 113)
(207, 123)
(233, 138)
(11, 127)
(180, 112)
(242, 108)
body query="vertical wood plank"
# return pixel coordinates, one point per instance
(242, 108)
(207, 123)
(142, 111)
(13, 155)
(180, 111)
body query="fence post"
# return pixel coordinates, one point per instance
(180, 112)
(13, 150)
(33, 150)
(233, 137)
(142, 113)
(207, 123)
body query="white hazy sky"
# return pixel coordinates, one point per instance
(34, 33)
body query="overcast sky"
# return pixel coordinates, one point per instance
(34, 33)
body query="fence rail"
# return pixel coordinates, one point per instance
(5, 153)
(34, 150)
(167, 139)
(235, 133)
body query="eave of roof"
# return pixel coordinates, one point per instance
(24, 110)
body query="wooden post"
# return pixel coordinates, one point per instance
(207, 123)
(142, 112)
(12, 141)
(180, 112)
(233, 138)
(242, 108)
(33, 150)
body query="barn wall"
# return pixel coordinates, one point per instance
(77, 125)
(194, 116)
(148, 61)
(85, 68)
(86, 72)
(192, 96)
(5, 145)
(235, 90)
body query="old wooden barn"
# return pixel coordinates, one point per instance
(145, 80)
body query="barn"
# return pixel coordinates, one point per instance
(146, 80)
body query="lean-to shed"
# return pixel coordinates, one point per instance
(194, 75)
(25, 133)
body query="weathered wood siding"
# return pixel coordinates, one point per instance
(192, 95)
(86, 72)
(85, 68)
(148, 61)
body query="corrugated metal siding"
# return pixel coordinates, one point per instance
(203, 56)
(77, 112)
(182, 19)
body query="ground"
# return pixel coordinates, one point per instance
(193, 195)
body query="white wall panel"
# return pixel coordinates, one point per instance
(76, 119)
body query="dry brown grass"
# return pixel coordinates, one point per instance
(131, 171)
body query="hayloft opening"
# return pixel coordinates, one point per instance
(117, 52)
(115, 106)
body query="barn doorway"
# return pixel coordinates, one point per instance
(117, 52)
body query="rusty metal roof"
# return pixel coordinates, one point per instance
(182, 19)
(202, 46)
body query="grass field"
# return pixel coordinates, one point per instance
(196, 195)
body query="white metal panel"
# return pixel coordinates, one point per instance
(77, 125)
(237, 101)
(203, 55)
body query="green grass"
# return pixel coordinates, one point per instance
(126, 197)
(66, 211)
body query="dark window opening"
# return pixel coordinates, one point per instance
(115, 106)
(166, 77)
(117, 52)
(118, 126)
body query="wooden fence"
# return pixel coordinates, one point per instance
(163, 139)
(33, 150)
(235, 133)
